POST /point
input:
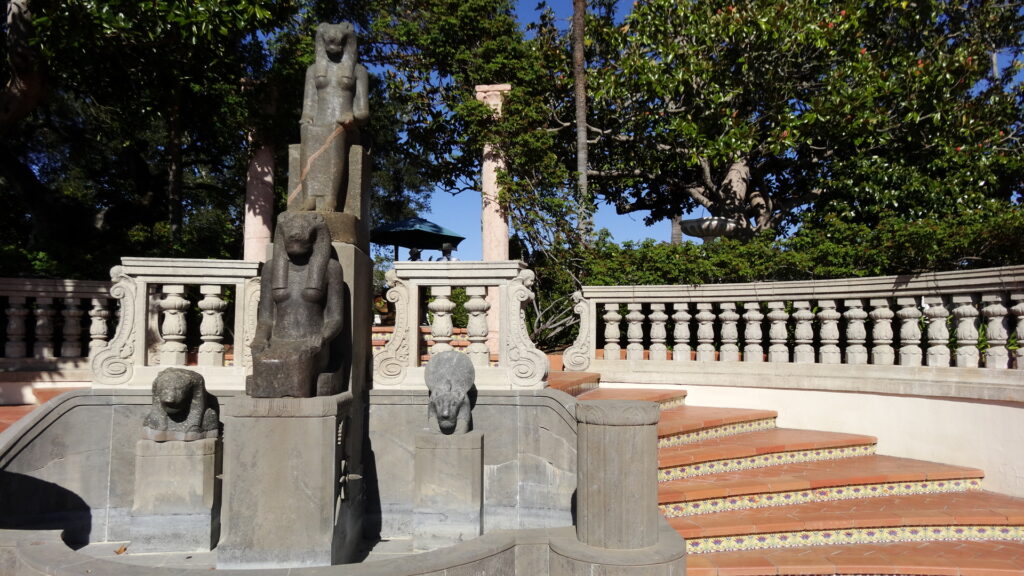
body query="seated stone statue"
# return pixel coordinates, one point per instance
(296, 351)
(182, 409)
(450, 376)
(335, 103)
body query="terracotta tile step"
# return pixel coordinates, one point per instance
(760, 449)
(574, 383)
(964, 508)
(843, 478)
(667, 398)
(952, 558)
(11, 414)
(689, 424)
(44, 395)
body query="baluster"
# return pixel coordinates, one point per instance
(441, 328)
(634, 332)
(71, 336)
(995, 331)
(730, 351)
(856, 334)
(611, 331)
(211, 328)
(752, 350)
(937, 333)
(16, 313)
(882, 352)
(777, 315)
(829, 353)
(44, 328)
(98, 334)
(803, 333)
(658, 319)
(681, 332)
(476, 328)
(966, 316)
(173, 351)
(705, 333)
(1018, 313)
(910, 332)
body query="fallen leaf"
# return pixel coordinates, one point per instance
(121, 550)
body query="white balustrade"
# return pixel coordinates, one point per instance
(156, 298)
(43, 320)
(520, 365)
(832, 322)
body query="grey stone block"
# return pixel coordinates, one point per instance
(282, 474)
(449, 488)
(172, 533)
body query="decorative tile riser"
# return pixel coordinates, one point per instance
(763, 461)
(988, 532)
(673, 403)
(715, 432)
(713, 505)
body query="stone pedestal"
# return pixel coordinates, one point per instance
(175, 496)
(448, 489)
(617, 482)
(284, 487)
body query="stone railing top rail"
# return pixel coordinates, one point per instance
(54, 288)
(459, 273)
(1006, 279)
(188, 270)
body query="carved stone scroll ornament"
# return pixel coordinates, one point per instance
(114, 364)
(251, 294)
(450, 378)
(577, 356)
(527, 366)
(390, 363)
(182, 409)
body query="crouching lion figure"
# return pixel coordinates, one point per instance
(182, 409)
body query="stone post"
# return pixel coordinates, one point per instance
(910, 332)
(777, 315)
(705, 332)
(752, 335)
(829, 352)
(493, 220)
(658, 334)
(611, 331)
(211, 328)
(71, 341)
(449, 488)
(730, 332)
(634, 332)
(16, 313)
(937, 332)
(98, 333)
(681, 332)
(856, 334)
(173, 350)
(966, 316)
(259, 203)
(995, 312)
(441, 327)
(881, 315)
(43, 347)
(617, 484)
(803, 333)
(476, 328)
(1018, 312)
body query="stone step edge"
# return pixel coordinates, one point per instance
(838, 537)
(710, 432)
(846, 492)
(679, 472)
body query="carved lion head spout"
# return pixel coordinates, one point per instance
(450, 377)
(182, 409)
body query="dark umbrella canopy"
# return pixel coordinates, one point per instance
(415, 233)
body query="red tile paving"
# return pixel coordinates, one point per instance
(954, 558)
(756, 443)
(683, 419)
(11, 414)
(573, 383)
(809, 475)
(660, 396)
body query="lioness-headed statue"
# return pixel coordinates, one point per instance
(182, 409)
(450, 376)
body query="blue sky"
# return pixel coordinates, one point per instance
(461, 213)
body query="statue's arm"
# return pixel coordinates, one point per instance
(309, 97)
(334, 312)
(361, 102)
(264, 312)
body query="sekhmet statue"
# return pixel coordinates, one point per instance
(296, 351)
(182, 409)
(450, 379)
(334, 105)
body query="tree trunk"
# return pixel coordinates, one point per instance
(677, 232)
(585, 222)
(27, 84)
(174, 172)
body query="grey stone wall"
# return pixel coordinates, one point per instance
(529, 457)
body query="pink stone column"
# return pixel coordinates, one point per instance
(493, 220)
(259, 204)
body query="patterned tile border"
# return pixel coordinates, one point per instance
(986, 532)
(673, 402)
(763, 461)
(764, 500)
(716, 432)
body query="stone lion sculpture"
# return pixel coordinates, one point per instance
(449, 377)
(182, 409)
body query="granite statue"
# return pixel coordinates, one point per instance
(296, 350)
(182, 408)
(449, 377)
(334, 105)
